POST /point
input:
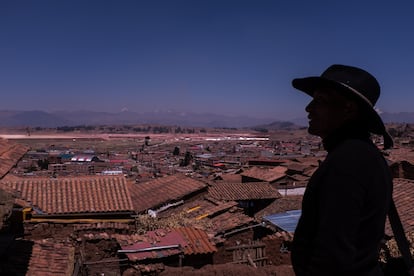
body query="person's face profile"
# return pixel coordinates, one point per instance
(326, 111)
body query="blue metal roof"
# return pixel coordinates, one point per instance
(286, 221)
(66, 155)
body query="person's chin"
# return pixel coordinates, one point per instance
(313, 131)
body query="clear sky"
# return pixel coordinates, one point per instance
(233, 57)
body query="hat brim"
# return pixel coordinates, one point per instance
(310, 84)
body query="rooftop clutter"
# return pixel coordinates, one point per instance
(209, 202)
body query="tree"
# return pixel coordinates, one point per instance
(187, 159)
(43, 164)
(147, 139)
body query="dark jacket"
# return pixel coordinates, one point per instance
(344, 210)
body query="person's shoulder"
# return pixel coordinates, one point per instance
(358, 144)
(357, 150)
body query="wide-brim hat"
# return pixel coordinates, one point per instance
(355, 83)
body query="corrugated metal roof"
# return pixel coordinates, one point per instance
(154, 239)
(198, 241)
(187, 240)
(83, 158)
(205, 155)
(286, 221)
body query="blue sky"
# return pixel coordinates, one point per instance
(233, 57)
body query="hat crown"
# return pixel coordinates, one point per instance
(354, 78)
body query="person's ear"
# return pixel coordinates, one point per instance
(351, 110)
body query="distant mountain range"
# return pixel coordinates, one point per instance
(74, 118)
(401, 117)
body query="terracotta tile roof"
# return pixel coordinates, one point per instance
(228, 221)
(95, 194)
(404, 201)
(267, 161)
(281, 205)
(265, 174)
(42, 258)
(295, 167)
(243, 191)
(211, 210)
(50, 258)
(310, 171)
(230, 177)
(162, 190)
(299, 177)
(310, 163)
(10, 154)
(200, 208)
(285, 236)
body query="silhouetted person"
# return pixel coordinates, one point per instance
(347, 198)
